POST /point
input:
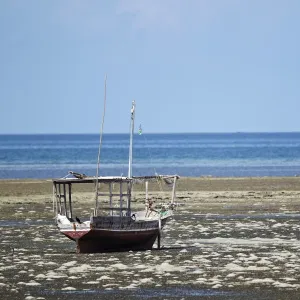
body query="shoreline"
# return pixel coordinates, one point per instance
(26, 187)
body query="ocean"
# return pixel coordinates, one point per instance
(185, 154)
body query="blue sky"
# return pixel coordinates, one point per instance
(191, 65)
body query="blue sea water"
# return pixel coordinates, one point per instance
(186, 154)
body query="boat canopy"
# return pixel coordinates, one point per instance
(109, 179)
(62, 192)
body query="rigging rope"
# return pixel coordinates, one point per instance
(157, 178)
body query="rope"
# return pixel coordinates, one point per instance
(158, 181)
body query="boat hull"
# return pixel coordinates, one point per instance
(113, 233)
(102, 240)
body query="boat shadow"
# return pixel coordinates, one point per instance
(172, 248)
(163, 248)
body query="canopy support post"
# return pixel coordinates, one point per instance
(59, 198)
(65, 200)
(129, 185)
(159, 233)
(70, 201)
(110, 199)
(174, 190)
(121, 198)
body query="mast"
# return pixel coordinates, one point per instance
(131, 138)
(100, 144)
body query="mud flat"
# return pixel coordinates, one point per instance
(229, 239)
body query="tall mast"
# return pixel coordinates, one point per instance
(131, 138)
(100, 144)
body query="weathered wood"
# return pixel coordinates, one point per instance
(65, 200)
(112, 194)
(147, 195)
(115, 208)
(110, 198)
(129, 187)
(59, 199)
(54, 202)
(159, 233)
(108, 179)
(70, 201)
(174, 190)
(121, 198)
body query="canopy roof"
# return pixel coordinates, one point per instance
(108, 179)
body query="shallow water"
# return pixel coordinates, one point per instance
(151, 293)
(188, 154)
(210, 252)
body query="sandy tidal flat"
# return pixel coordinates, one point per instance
(229, 239)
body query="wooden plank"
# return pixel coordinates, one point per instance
(70, 200)
(174, 190)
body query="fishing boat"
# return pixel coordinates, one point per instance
(114, 224)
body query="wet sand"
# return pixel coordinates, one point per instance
(230, 238)
(44, 187)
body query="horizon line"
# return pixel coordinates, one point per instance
(182, 132)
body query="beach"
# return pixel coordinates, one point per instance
(230, 238)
